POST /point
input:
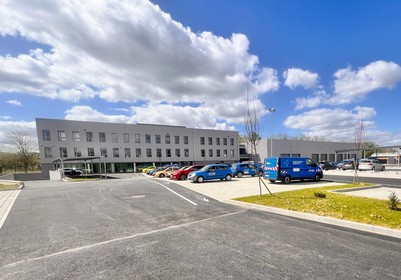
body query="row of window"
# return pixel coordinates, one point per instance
(138, 152)
(62, 137)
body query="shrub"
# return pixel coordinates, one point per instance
(393, 200)
(320, 195)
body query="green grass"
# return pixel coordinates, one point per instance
(9, 186)
(336, 205)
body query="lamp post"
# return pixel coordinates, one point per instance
(271, 110)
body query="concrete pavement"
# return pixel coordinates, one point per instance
(7, 199)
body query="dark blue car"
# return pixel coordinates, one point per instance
(241, 169)
(211, 172)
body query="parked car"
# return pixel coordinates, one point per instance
(346, 164)
(154, 170)
(370, 164)
(286, 169)
(146, 169)
(211, 172)
(241, 169)
(182, 174)
(325, 165)
(72, 172)
(165, 172)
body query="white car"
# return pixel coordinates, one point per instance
(370, 164)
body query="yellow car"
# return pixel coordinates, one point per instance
(166, 172)
(147, 169)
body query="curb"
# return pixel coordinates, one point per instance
(21, 186)
(321, 219)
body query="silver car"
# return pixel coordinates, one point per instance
(370, 164)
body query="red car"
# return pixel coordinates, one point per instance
(182, 174)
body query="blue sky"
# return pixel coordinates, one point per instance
(323, 65)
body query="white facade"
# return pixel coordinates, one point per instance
(127, 146)
(316, 150)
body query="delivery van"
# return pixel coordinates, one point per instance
(286, 169)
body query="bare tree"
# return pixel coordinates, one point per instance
(252, 129)
(359, 145)
(22, 143)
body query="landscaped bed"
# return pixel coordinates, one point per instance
(336, 205)
(8, 186)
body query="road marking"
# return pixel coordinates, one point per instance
(167, 188)
(87, 247)
(3, 219)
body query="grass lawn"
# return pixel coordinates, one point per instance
(336, 205)
(9, 186)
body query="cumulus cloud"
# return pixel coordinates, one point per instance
(14, 102)
(124, 51)
(334, 124)
(351, 86)
(295, 77)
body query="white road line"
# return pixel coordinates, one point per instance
(167, 188)
(87, 247)
(3, 219)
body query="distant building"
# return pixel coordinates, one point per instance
(316, 150)
(125, 147)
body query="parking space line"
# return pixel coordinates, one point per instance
(167, 188)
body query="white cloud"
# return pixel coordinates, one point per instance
(14, 102)
(123, 51)
(334, 124)
(351, 86)
(319, 97)
(295, 77)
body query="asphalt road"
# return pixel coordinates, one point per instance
(137, 228)
(393, 182)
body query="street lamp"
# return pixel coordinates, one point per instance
(271, 110)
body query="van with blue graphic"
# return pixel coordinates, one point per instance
(286, 169)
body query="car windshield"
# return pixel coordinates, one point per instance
(204, 168)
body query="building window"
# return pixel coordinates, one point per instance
(103, 152)
(217, 153)
(137, 138)
(116, 152)
(210, 153)
(186, 141)
(224, 152)
(177, 139)
(63, 152)
(167, 139)
(203, 153)
(126, 137)
(102, 137)
(202, 140)
(75, 136)
(138, 152)
(225, 141)
(168, 152)
(232, 141)
(46, 135)
(159, 152)
(149, 152)
(91, 152)
(147, 138)
(48, 152)
(61, 136)
(77, 152)
(210, 140)
(186, 152)
(127, 152)
(114, 138)
(158, 139)
(89, 136)
(177, 152)
(231, 153)
(217, 141)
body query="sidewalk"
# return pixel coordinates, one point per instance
(7, 199)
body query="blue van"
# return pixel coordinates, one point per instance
(286, 169)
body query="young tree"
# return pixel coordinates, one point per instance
(252, 129)
(22, 143)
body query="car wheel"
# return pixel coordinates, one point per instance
(373, 168)
(200, 179)
(228, 177)
(272, 181)
(162, 175)
(383, 168)
(239, 174)
(316, 178)
(260, 174)
(183, 177)
(287, 179)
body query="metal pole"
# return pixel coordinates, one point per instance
(271, 110)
